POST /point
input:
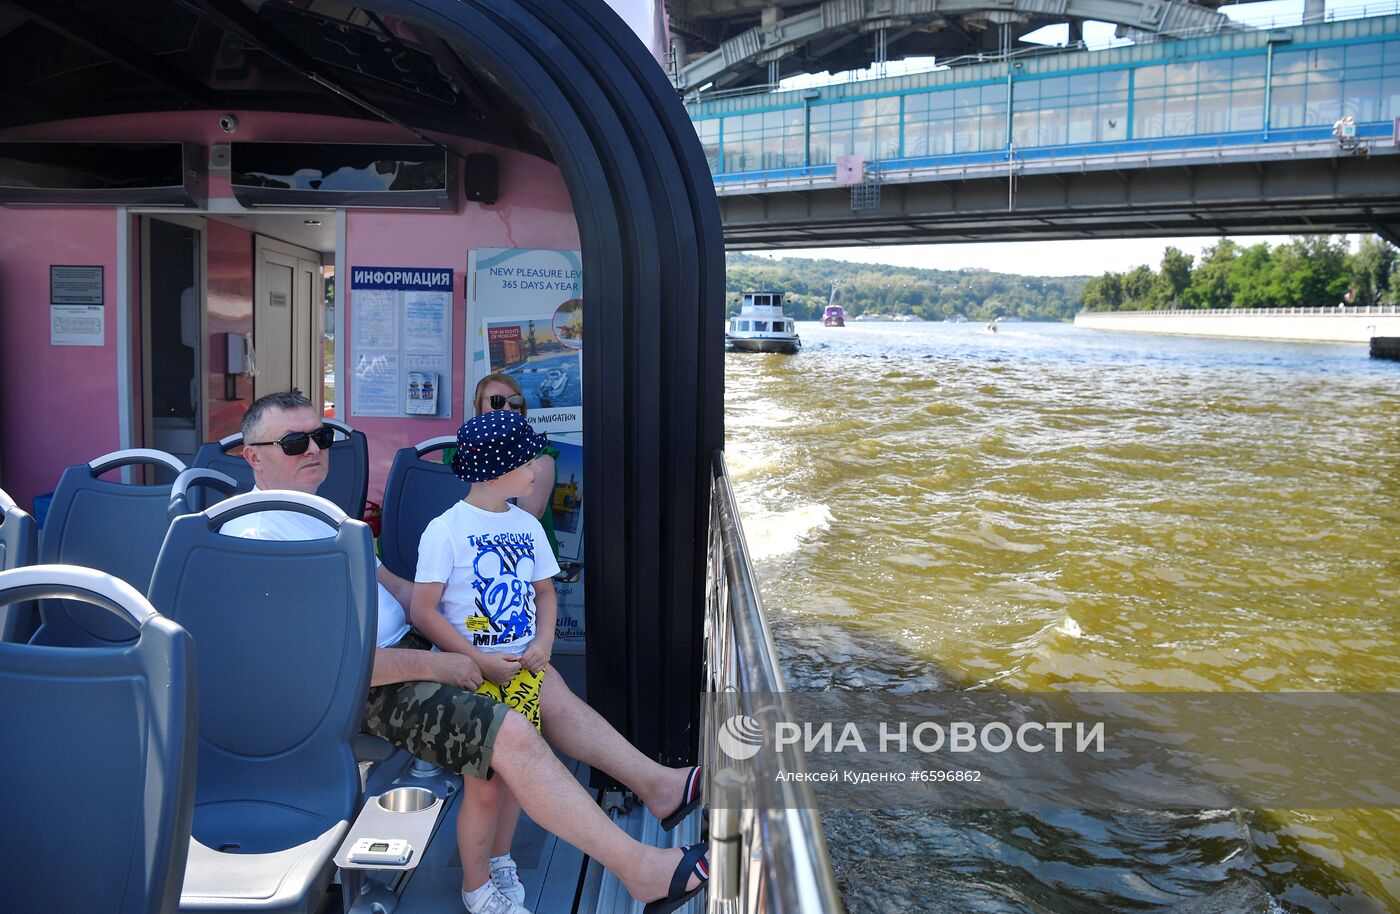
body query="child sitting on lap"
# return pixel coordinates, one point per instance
(484, 588)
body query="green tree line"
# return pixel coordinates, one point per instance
(862, 288)
(1310, 271)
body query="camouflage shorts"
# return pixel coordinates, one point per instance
(439, 723)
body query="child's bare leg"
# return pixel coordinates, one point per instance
(476, 828)
(507, 818)
(580, 732)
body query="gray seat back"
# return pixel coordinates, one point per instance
(416, 491)
(19, 544)
(109, 526)
(347, 469)
(286, 633)
(215, 455)
(347, 474)
(98, 756)
(190, 484)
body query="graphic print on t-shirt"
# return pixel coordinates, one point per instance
(504, 566)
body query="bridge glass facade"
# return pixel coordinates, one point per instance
(1243, 88)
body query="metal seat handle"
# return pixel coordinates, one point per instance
(276, 500)
(434, 444)
(70, 582)
(132, 456)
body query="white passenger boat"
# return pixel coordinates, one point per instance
(761, 326)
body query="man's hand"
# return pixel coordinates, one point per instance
(459, 670)
(499, 668)
(537, 653)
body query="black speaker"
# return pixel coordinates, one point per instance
(479, 180)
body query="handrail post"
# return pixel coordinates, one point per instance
(762, 820)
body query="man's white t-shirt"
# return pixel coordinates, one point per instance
(288, 525)
(489, 561)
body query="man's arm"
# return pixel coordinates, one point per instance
(400, 589)
(394, 664)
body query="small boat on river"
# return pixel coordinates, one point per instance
(761, 326)
(835, 315)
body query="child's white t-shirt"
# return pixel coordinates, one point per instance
(489, 561)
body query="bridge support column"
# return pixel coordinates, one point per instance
(1314, 11)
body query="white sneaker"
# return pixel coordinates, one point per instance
(505, 878)
(493, 902)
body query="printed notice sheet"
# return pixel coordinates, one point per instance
(401, 338)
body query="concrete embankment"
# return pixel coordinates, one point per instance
(1320, 325)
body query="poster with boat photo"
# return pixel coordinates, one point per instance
(548, 372)
(527, 306)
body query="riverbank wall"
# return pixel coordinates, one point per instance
(1318, 325)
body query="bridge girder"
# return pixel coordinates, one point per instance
(828, 20)
(1270, 196)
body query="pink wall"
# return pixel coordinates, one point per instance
(533, 211)
(58, 404)
(229, 294)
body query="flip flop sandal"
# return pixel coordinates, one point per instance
(694, 859)
(690, 798)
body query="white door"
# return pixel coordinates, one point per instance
(287, 320)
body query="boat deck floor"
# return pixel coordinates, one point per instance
(558, 878)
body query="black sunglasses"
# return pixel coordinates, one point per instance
(515, 401)
(294, 443)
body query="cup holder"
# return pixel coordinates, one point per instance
(407, 799)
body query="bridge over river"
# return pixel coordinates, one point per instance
(1230, 132)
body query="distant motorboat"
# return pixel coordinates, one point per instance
(761, 326)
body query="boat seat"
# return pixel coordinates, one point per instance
(99, 756)
(109, 526)
(214, 455)
(287, 630)
(19, 544)
(190, 482)
(347, 469)
(415, 492)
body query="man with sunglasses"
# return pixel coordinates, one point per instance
(414, 691)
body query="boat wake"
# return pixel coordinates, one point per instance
(770, 535)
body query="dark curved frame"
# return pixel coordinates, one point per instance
(653, 260)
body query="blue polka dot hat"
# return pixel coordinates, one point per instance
(492, 444)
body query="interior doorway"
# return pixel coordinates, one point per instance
(287, 319)
(172, 318)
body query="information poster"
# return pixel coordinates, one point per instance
(401, 340)
(77, 325)
(525, 320)
(76, 313)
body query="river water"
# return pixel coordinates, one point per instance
(935, 506)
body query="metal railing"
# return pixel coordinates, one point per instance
(769, 854)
